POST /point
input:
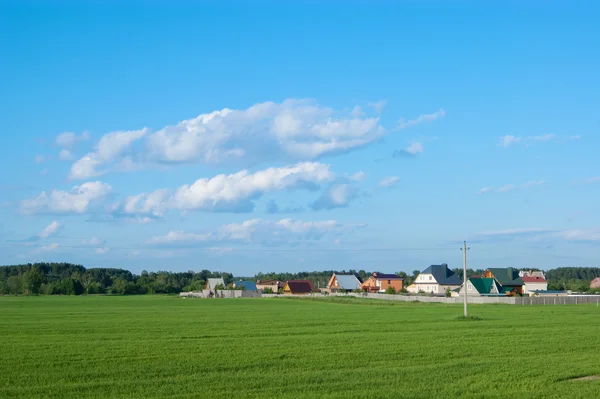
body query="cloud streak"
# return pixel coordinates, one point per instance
(511, 187)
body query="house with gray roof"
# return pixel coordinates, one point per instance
(436, 279)
(211, 283)
(343, 283)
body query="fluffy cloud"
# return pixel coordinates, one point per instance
(108, 153)
(40, 158)
(403, 124)
(78, 200)
(412, 150)
(389, 181)
(51, 229)
(101, 251)
(337, 195)
(257, 231)
(228, 193)
(294, 130)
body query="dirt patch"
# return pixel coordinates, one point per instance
(587, 378)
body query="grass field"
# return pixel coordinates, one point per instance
(167, 347)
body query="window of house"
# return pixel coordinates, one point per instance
(389, 282)
(430, 278)
(469, 287)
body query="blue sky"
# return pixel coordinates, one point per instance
(287, 138)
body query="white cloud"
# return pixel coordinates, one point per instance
(412, 150)
(94, 242)
(294, 130)
(357, 111)
(78, 200)
(590, 180)
(337, 195)
(511, 187)
(40, 159)
(506, 188)
(403, 124)
(509, 140)
(389, 181)
(518, 231)
(48, 248)
(66, 155)
(378, 106)
(109, 151)
(180, 236)
(358, 176)
(68, 139)
(284, 231)
(581, 235)
(51, 229)
(229, 193)
(101, 251)
(533, 183)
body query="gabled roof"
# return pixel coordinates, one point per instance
(300, 286)
(213, 282)
(507, 276)
(442, 274)
(347, 281)
(383, 276)
(482, 285)
(248, 285)
(533, 279)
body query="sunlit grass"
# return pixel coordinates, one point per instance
(157, 347)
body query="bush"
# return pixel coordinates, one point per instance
(268, 290)
(390, 290)
(448, 292)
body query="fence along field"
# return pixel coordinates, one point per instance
(162, 346)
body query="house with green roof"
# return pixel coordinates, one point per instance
(507, 279)
(481, 286)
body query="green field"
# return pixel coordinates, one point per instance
(167, 347)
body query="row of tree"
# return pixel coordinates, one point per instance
(70, 279)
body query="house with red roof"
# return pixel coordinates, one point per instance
(533, 281)
(380, 282)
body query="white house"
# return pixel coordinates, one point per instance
(435, 279)
(534, 283)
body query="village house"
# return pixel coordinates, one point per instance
(508, 280)
(343, 283)
(595, 283)
(298, 287)
(533, 281)
(248, 285)
(273, 285)
(379, 282)
(436, 279)
(480, 286)
(212, 283)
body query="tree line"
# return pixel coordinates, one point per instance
(71, 279)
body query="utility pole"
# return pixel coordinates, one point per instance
(465, 249)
